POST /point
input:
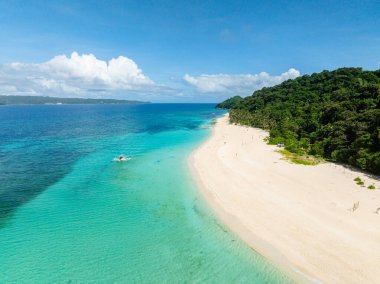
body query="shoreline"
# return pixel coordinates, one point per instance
(254, 242)
(291, 214)
(232, 223)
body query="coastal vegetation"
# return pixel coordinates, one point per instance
(307, 160)
(359, 181)
(332, 114)
(231, 102)
(40, 100)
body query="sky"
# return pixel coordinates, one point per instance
(178, 51)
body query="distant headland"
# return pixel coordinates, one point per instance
(42, 100)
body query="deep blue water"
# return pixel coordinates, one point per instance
(39, 144)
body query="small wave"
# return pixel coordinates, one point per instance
(125, 159)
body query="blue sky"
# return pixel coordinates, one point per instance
(179, 51)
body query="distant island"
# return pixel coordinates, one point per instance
(332, 114)
(40, 100)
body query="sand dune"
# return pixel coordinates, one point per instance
(298, 216)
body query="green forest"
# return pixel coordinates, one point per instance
(332, 114)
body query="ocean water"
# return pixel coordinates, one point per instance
(70, 214)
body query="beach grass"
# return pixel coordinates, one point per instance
(300, 159)
(359, 181)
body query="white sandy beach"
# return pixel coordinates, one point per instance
(297, 216)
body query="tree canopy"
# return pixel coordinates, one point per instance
(230, 103)
(332, 114)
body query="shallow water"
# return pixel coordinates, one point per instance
(69, 213)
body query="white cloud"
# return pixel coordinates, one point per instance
(78, 75)
(242, 84)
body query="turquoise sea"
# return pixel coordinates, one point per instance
(70, 214)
